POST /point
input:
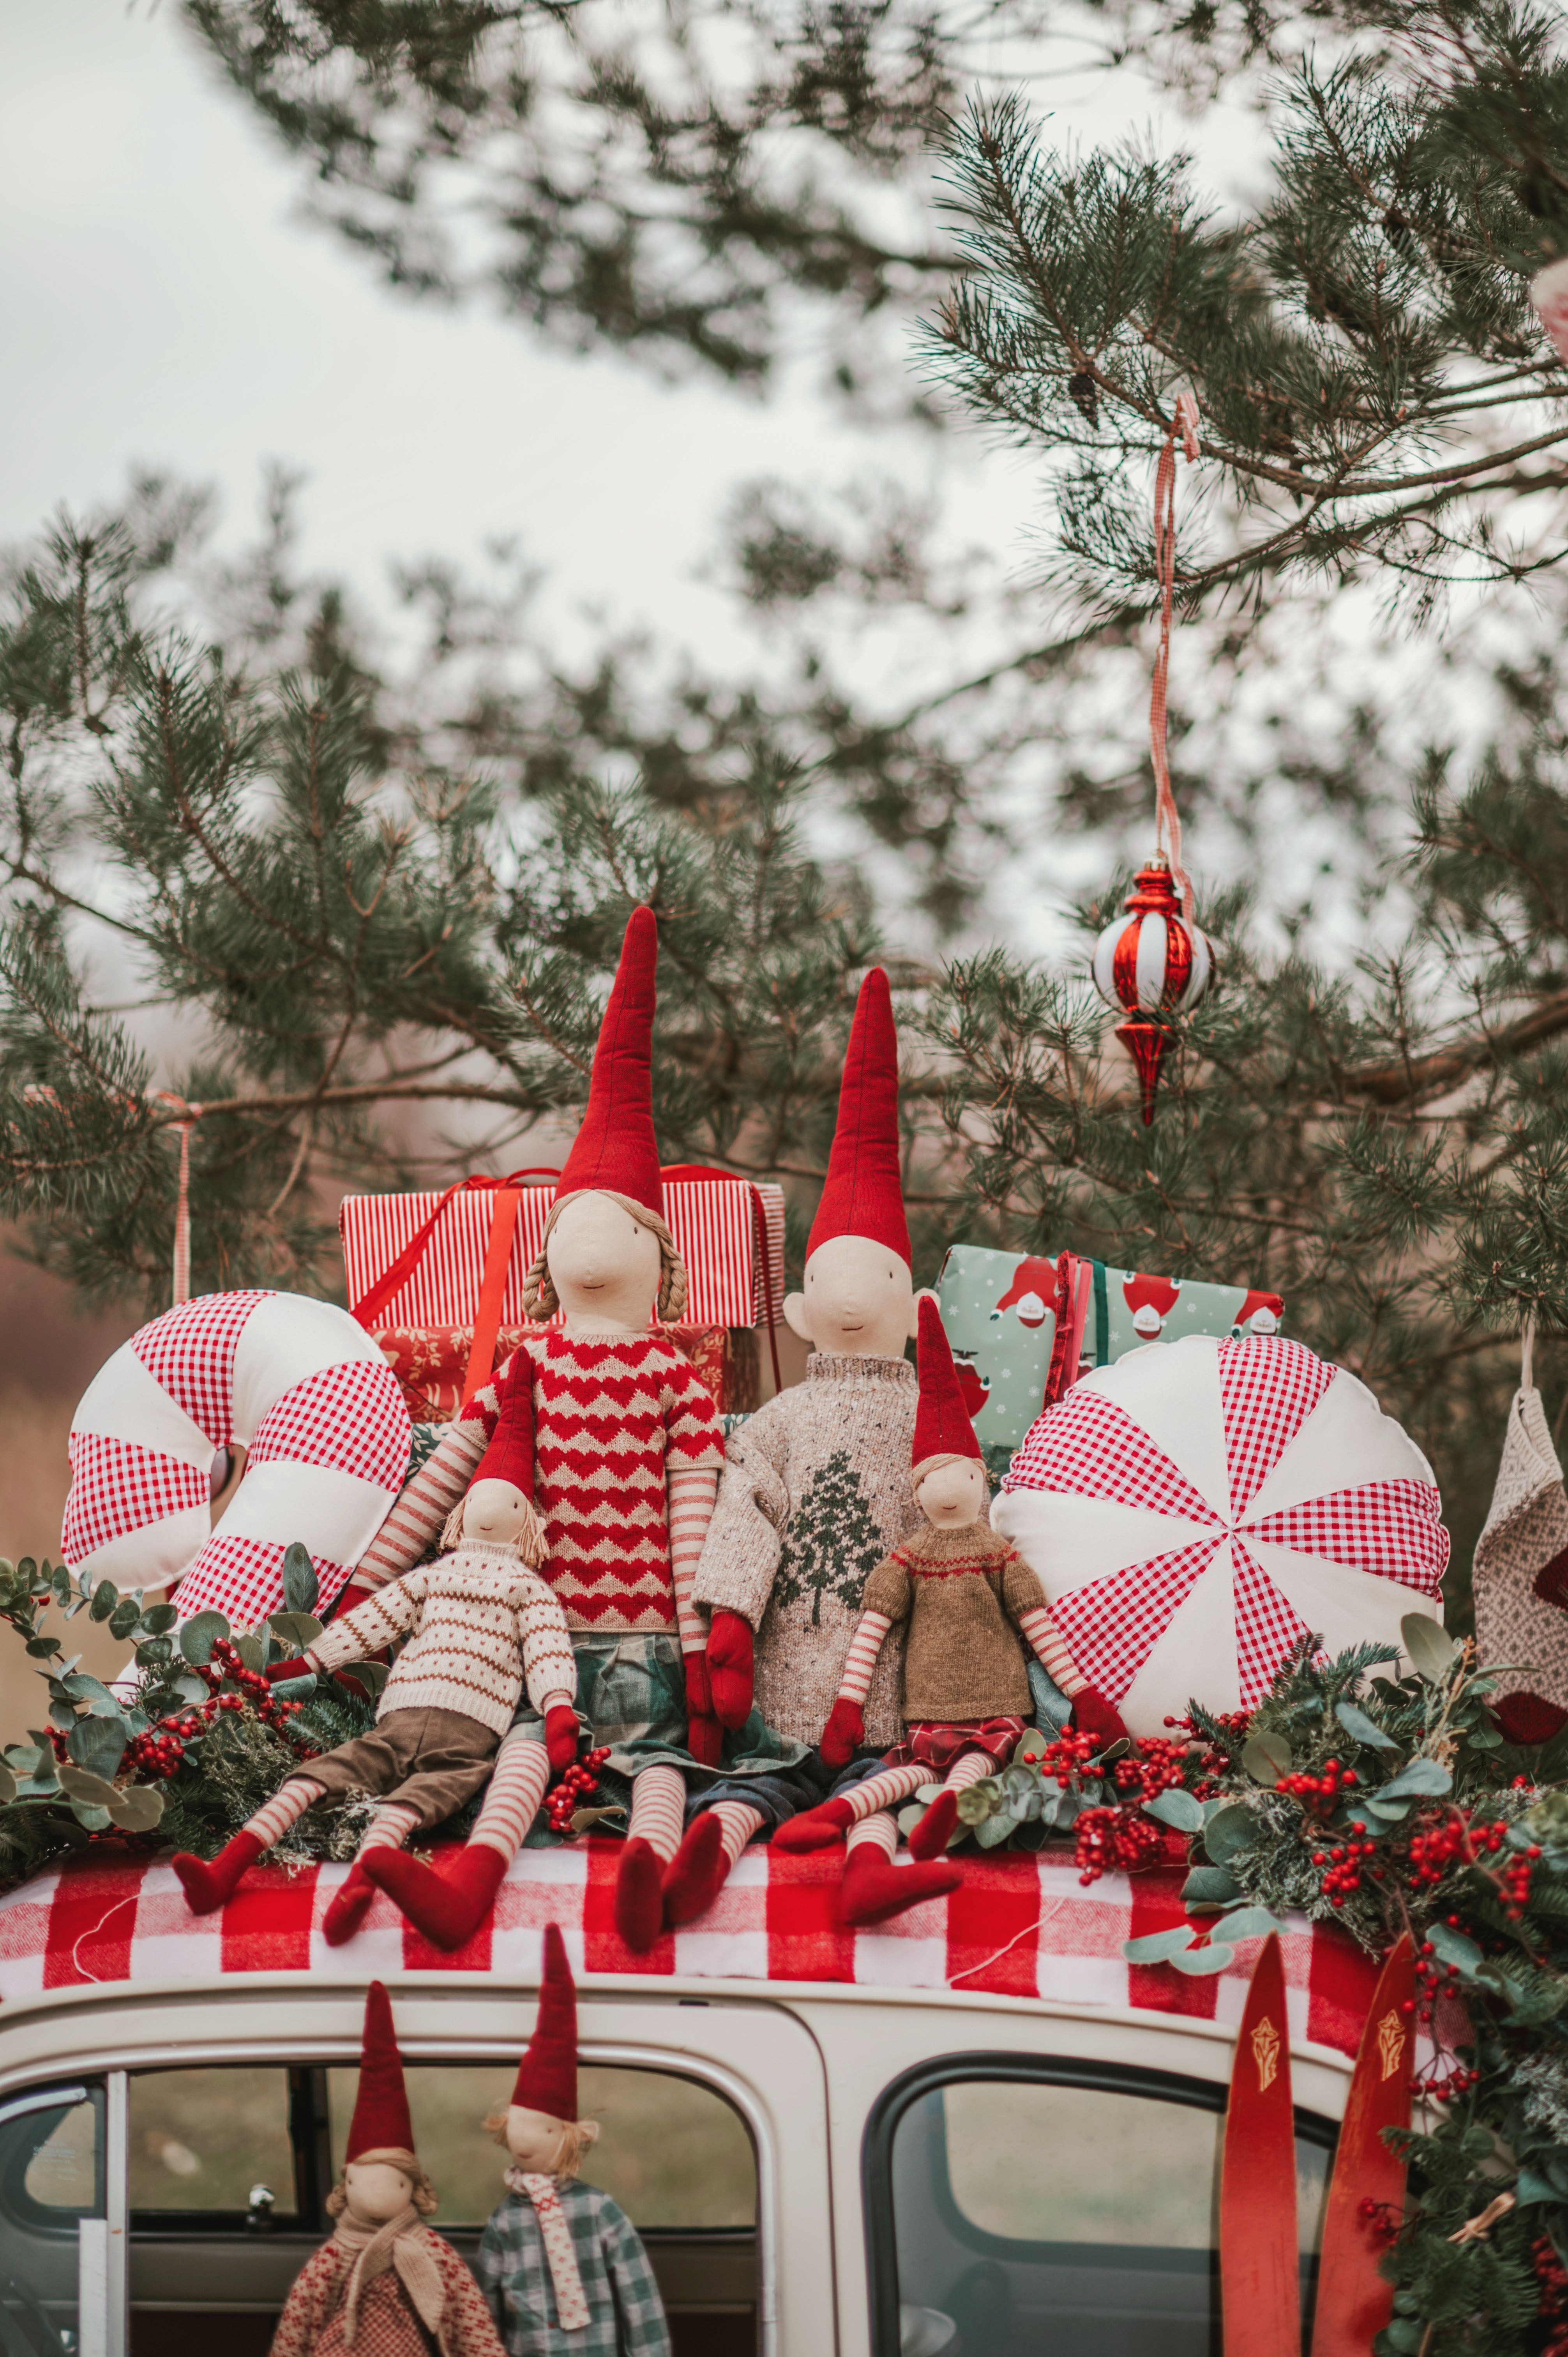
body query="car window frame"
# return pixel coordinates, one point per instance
(899, 2097)
(69, 2094)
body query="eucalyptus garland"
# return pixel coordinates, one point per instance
(1383, 1804)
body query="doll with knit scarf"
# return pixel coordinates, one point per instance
(628, 1447)
(561, 2264)
(481, 1627)
(964, 1595)
(386, 2284)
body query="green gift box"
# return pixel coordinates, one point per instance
(1002, 1311)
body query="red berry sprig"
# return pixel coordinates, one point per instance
(1317, 1794)
(1155, 1765)
(577, 1786)
(1115, 1841)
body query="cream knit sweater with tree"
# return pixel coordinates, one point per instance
(814, 1492)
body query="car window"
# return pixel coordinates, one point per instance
(60, 2170)
(52, 2232)
(205, 2139)
(1029, 2212)
(672, 2152)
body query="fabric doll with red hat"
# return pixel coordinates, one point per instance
(386, 2286)
(481, 1627)
(561, 2264)
(963, 1594)
(627, 1446)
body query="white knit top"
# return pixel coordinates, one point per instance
(479, 1625)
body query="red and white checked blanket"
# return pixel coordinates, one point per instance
(1021, 1927)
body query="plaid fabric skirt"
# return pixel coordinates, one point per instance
(631, 1694)
(930, 1745)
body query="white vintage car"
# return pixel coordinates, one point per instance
(816, 2166)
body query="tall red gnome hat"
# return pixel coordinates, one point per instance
(380, 2124)
(863, 1195)
(547, 2075)
(942, 1427)
(510, 1458)
(615, 1149)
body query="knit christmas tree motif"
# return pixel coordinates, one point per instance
(834, 1543)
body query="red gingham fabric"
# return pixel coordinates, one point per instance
(1390, 1528)
(1023, 1927)
(191, 1352)
(242, 1578)
(350, 1416)
(1268, 1388)
(116, 1486)
(1116, 1622)
(1090, 1445)
(1266, 1625)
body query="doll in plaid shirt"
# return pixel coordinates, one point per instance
(561, 2264)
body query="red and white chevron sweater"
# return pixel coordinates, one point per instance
(618, 1420)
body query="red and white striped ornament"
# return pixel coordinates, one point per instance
(1152, 963)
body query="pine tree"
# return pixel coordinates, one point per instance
(832, 1546)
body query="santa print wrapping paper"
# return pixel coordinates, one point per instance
(713, 1222)
(1022, 1927)
(430, 1365)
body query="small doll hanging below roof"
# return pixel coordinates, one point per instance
(386, 2284)
(561, 2264)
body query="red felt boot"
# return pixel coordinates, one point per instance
(872, 1889)
(208, 1882)
(817, 1829)
(448, 1908)
(640, 1897)
(931, 1836)
(696, 1874)
(1092, 1715)
(349, 1906)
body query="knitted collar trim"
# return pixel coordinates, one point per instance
(829, 1367)
(970, 1542)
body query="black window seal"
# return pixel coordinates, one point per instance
(1038, 2069)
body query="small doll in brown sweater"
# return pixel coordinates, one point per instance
(966, 1594)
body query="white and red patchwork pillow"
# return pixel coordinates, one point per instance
(1199, 1507)
(301, 1386)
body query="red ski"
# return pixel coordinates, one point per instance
(1354, 2302)
(1260, 2281)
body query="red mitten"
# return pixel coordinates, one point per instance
(561, 1735)
(705, 1741)
(1092, 1715)
(699, 1691)
(845, 1732)
(731, 1668)
(350, 1600)
(299, 1665)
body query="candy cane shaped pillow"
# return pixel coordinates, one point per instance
(1196, 1508)
(301, 1386)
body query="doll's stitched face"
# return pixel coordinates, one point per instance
(952, 1495)
(606, 1267)
(493, 1514)
(859, 1302)
(533, 2140)
(376, 2191)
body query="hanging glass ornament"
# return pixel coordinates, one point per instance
(1150, 963)
(1153, 963)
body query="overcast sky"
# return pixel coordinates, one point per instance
(165, 304)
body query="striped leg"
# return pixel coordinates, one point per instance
(931, 1836)
(819, 1827)
(880, 1792)
(653, 1837)
(697, 1872)
(388, 1829)
(449, 1907)
(872, 1887)
(209, 1882)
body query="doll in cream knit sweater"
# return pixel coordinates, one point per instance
(964, 1595)
(481, 1627)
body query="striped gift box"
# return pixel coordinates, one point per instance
(713, 1222)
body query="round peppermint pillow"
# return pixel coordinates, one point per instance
(1199, 1507)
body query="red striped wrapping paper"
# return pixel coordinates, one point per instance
(712, 1223)
(1023, 1927)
